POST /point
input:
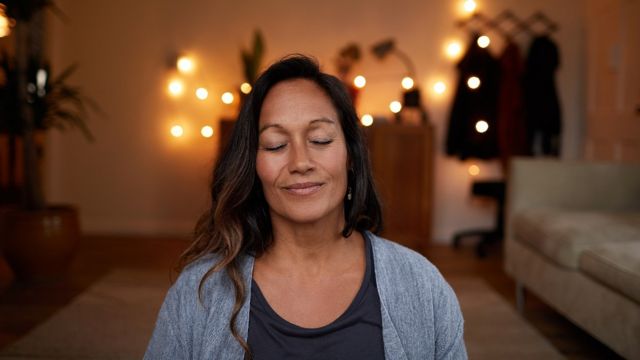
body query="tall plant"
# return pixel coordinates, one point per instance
(41, 102)
(252, 59)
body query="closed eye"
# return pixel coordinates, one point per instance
(322, 142)
(274, 148)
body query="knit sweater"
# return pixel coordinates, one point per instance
(421, 318)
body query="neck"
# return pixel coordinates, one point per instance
(312, 246)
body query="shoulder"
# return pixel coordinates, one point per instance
(198, 284)
(187, 313)
(194, 272)
(394, 255)
(201, 271)
(191, 305)
(419, 301)
(183, 293)
(406, 271)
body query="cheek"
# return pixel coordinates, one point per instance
(337, 163)
(263, 169)
(268, 168)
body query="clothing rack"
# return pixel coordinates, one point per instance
(509, 24)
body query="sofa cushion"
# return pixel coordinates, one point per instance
(616, 265)
(562, 235)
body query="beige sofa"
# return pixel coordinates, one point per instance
(573, 239)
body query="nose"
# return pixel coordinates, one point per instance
(300, 160)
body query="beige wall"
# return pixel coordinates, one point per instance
(136, 179)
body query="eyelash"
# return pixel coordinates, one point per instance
(275, 148)
(315, 142)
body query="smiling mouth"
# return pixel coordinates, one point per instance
(303, 188)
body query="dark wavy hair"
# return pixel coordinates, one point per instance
(238, 221)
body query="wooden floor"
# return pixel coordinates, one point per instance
(23, 307)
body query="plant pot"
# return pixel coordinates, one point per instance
(39, 245)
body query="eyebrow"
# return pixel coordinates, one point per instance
(312, 122)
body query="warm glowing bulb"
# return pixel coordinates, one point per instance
(185, 64)
(227, 98)
(439, 87)
(483, 41)
(4, 23)
(245, 88)
(453, 49)
(482, 126)
(202, 93)
(206, 131)
(407, 83)
(176, 88)
(473, 82)
(469, 6)
(395, 107)
(177, 131)
(366, 120)
(474, 170)
(359, 81)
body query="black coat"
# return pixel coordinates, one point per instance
(470, 106)
(542, 107)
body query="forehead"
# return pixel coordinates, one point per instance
(296, 101)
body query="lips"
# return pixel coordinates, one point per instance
(305, 188)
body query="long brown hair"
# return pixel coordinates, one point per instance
(238, 222)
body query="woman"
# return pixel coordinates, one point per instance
(285, 264)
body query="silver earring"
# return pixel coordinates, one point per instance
(349, 194)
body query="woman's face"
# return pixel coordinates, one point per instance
(302, 154)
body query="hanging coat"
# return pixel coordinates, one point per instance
(542, 107)
(512, 129)
(472, 105)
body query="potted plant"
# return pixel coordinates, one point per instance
(39, 239)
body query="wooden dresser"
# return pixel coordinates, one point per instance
(402, 161)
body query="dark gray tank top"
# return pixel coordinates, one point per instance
(356, 334)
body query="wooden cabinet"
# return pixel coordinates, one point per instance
(613, 80)
(402, 161)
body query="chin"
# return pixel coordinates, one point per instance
(307, 215)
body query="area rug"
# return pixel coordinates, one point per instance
(114, 318)
(494, 329)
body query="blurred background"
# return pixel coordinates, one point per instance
(145, 93)
(138, 178)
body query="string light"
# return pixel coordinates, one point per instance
(482, 126)
(473, 82)
(474, 170)
(407, 83)
(206, 131)
(469, 6)
(484, 41)
(202, 93)
(177, 131)
(366, 120)
(359, 81)
(5, 23)
(245, 88)
(453, 49)
(439, 87)
(176, 88)
(185, 65)
(227, 98)
(395, 106)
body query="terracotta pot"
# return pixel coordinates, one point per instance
(39, 245)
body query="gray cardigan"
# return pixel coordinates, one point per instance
(421, 318)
